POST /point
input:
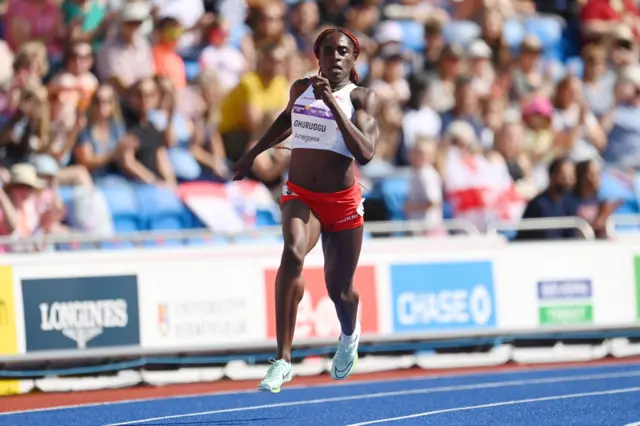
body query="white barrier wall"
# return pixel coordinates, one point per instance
(222, 298)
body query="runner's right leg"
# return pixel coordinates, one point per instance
(301, 231)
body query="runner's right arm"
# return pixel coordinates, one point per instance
(281, 127)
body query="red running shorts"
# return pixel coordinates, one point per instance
(337, 211)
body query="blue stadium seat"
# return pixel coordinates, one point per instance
(266, 218)
(214, 241)
(575, 66)
(412, 35)
(123, 205)
(549, 30)
(513, 33)
(463, 32)
(192, 69)
(394, 194)
(447, 210)
(160, 208)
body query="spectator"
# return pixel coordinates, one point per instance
(529, 80)
(6, 64)
(49, 204)
(167, 62)
(268, 25)
(598, 87)
(623, 52)
(622, 123)
(600, 18)
(577, 131)
(509, 144)
(190, 15)
(466, 107)
(304, 17)
(167, 118)
(87, 21)
(420, 120)
(147, 161)
(258, 94)
(558, 200)
(77, 64)
(590, 208)
(34, 21)
(27, 132)
(481, 70)
(424, 202)
(449, 69)
(221, 56)
(392, 86)
(539, 136)
(493, 34)
(103, 141)
(19, 202)
(126, 56)
(479, 187)
(493, 111)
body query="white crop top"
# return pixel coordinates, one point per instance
(313, 125)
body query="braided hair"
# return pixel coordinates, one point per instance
(353, 75)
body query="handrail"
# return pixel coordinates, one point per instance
(375, 228)
(621, 220)
(544, 223)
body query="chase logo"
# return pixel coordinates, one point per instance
(443, 296)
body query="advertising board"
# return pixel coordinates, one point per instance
(80, 312)
(443, 296)
(201, 303)
(316, 312)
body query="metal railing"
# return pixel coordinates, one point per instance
(41, 242)
(621, 220)
(393, 228)
(576, 223)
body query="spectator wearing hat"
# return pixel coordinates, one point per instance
(480, 67)
(528, 79)
(624, 51)
(126, 56)
(539, 137)
(49, 204)
(557, 200)
(19, 215)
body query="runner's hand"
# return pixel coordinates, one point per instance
(243, 166)
(322, 90)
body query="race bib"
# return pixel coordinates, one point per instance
(314, 126)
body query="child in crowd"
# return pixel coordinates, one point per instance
(425, 194)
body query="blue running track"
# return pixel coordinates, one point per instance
(596, 395)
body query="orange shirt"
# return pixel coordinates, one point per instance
(169, 64)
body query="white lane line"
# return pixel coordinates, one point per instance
(439, 389)
(349, 383)
(500, 404)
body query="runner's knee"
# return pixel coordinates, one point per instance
(340, 294)
(294, 253)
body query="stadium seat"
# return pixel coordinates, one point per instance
(447, 210)
(412, 35)
(123, 205)
(549, 30)
(575, 66)
(266, 218)
(513, 33)
(160, 208)
(394, 192)
(463, 32)
(192, 69)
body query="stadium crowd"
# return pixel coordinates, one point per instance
(497, 108)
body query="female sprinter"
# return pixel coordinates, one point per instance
(333, 122)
